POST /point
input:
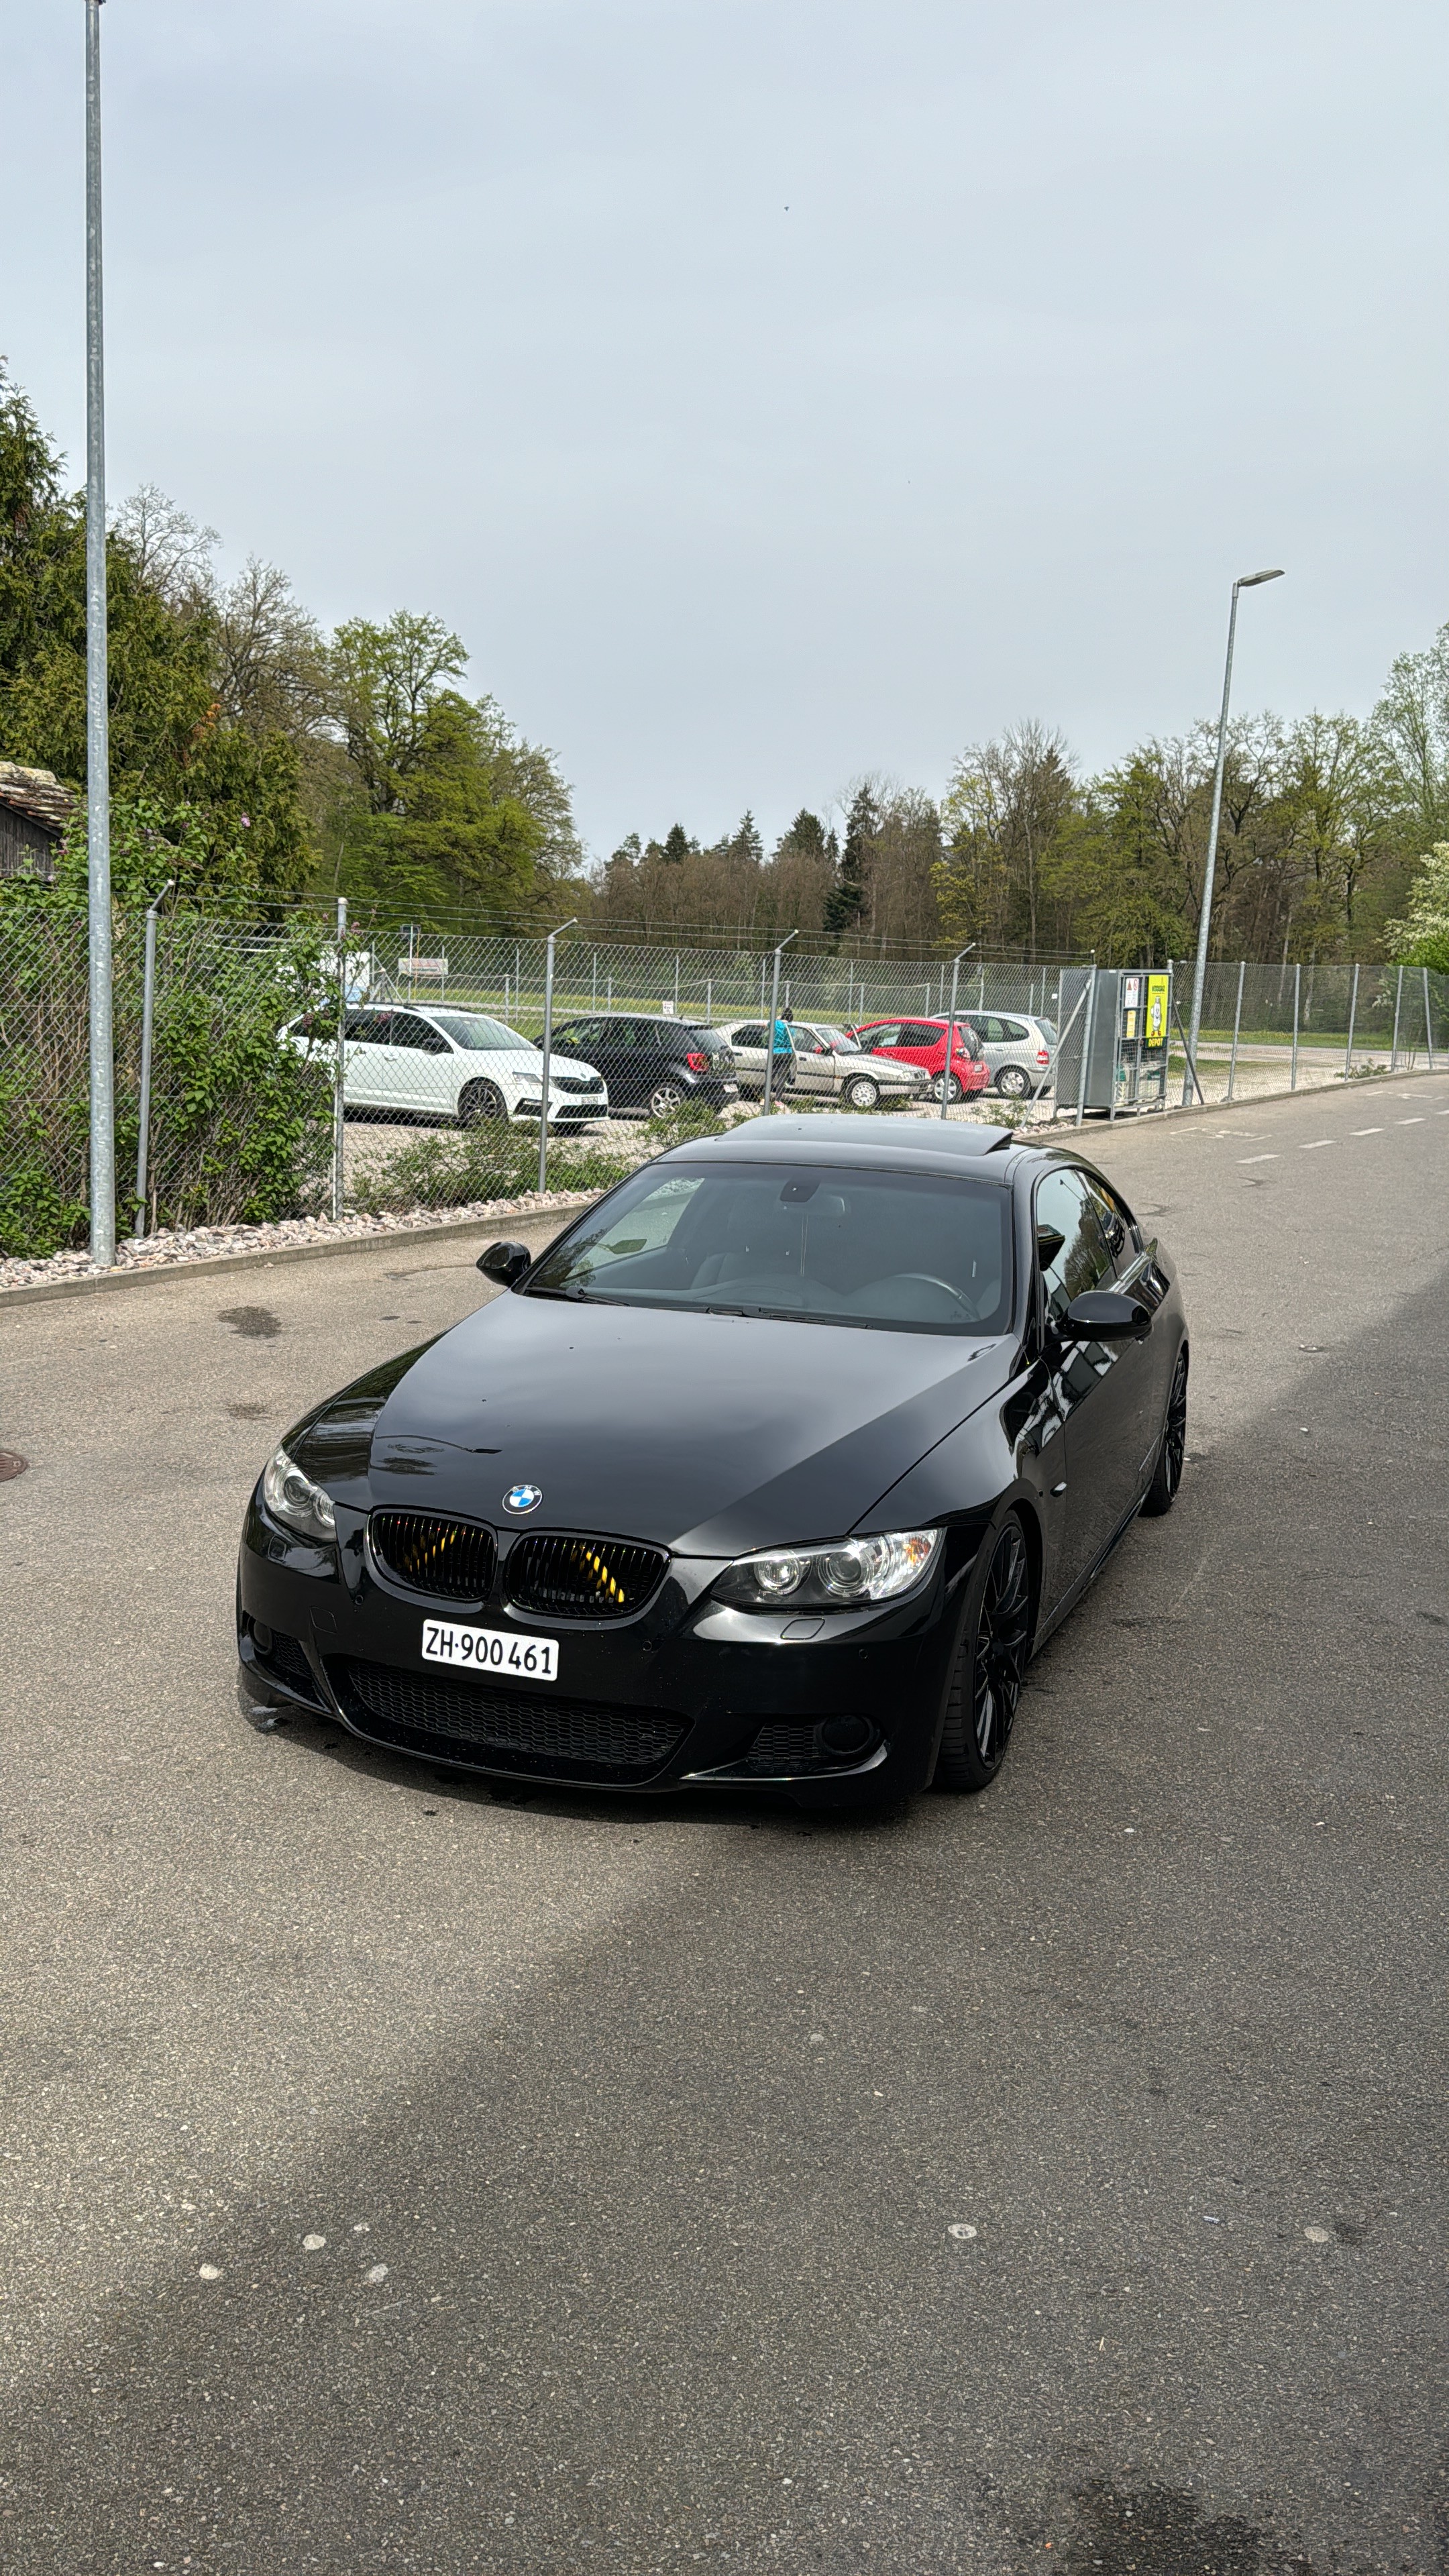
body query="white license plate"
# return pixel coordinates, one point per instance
(489, 1650)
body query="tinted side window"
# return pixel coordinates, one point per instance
(1013, 1032)
(1073, 1249)
(887, 1035)
(409, 1031)
(751, 1036)
(920, 1033)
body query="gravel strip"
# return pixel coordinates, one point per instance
(214, 1242)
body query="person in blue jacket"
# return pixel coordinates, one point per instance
(782, 1053)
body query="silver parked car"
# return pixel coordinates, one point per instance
(1018, 1050)
(828, 1064)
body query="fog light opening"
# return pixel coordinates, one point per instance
(849, 1737)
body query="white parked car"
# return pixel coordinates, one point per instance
(829, 1064)
(454, 1064)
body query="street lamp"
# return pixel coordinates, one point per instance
(98, 751)
(1245, 581)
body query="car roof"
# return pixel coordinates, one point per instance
(909, 1144)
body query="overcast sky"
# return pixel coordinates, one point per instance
(772, 390)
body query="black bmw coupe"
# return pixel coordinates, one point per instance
(775, 1468)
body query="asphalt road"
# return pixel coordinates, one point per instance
(645, 2141)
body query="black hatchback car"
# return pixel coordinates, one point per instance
(775, 1468)
(653, 1064)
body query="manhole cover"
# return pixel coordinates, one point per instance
(11, 1464)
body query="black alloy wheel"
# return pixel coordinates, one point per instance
(480, 1100)
(951, 1083)
(1012, 1082)
(861, 1092)
(1167, 1476)
(991, 1665)
(665, 1098)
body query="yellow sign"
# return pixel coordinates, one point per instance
(1155, 1033)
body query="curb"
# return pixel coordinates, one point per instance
(45, 1291)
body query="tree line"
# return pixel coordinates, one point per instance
(256, 759)
(1331, 845)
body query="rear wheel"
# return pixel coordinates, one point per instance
(951, 1086)
(664, 1099)
(1167, 1476)
(995, 1645)
(479, 1100)
(1012, 1082)
(861, 1092)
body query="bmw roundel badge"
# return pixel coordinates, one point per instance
(523, 1498)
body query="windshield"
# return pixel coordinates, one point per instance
(470, 1029)
(906, 1251)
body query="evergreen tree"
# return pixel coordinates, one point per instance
(677, 844)
(845, 903)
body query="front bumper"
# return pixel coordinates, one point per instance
(685, 1690)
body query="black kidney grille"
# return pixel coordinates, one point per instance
(448, 1560)
(582, 1578)
(507, 1730)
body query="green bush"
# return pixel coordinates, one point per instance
(240, 1122)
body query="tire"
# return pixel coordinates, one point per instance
(664, 1099)
(953, 1090)
(1167, 1474)
(480, 1100)
(1013, 1082)
(995, 1646)
(861, 1092)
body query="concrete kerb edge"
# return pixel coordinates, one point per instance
(1153, 1123)
(171, 1272)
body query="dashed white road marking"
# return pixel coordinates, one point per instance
(1257, 1158)
(1368, 1131)
(1411, 1122)
(1317, 1141)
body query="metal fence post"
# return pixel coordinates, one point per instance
(1091, 1030)
(1398, 1005)
(1352, 1016)
(339, 1077)
(950, 1036)
(148, 1012)
(768, 1105)
(1297, 992)
(1237, 1024)
(1428, 1022)
(547, 1051)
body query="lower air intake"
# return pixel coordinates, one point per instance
(582, 1578)
(507, 1730)
(446, 1559)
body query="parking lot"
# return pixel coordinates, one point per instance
(398, 2175)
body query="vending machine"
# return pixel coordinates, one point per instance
(1113, 1054)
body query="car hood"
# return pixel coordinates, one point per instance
(706, 1434)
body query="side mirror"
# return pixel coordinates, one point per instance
(508, 1262)
(1103, 1315)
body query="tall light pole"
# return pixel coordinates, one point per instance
(1245, 581)
(98, 750)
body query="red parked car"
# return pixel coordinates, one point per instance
(924, 1042)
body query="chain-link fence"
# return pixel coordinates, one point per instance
(304, 1071)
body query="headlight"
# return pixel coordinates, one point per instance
(293, 1499)
(842, 1577)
